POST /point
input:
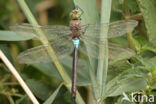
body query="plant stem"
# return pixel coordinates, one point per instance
(130, 40)
(11, 94)
(129, 35)
(18, 77)
(49, 49)
(10, 83)
(103, 51)
(10, 100)
(89, 99)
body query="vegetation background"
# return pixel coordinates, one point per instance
(128, 74)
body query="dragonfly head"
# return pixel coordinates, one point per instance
(75, 14)
(75, 11)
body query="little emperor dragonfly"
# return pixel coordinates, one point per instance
(65, 39)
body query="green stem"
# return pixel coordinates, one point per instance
(49, 49)
(10, 83)
(103, 51)
(10, 100)
(11, 94)
(127, 16)
(130, 40)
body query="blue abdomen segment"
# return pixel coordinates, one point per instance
(76, 43)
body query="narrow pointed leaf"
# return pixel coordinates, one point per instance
(53, 96)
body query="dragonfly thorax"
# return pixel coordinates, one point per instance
(75, 28)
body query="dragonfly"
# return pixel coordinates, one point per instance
(68, 39)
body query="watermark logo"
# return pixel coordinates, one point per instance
(137, 97)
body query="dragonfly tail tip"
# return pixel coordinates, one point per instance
(73, 96)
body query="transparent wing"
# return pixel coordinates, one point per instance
(115, 29)
(39, 53)
(119, 52)
(91, 49)
(52, 32)
(93, 41)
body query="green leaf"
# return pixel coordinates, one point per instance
(129, 81)
(116, 69)
(125, 53)
(103, 52)
(132, 4)
(117, 5)
(141, 40)
(12, 36)
(149, 47)
(150, 64)
(48, 69)
(126, 85)
(137, 45)
(23, 100)
(40, 89)
(148, 8)
(53, 96)
(120, 101)
(141, 45)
